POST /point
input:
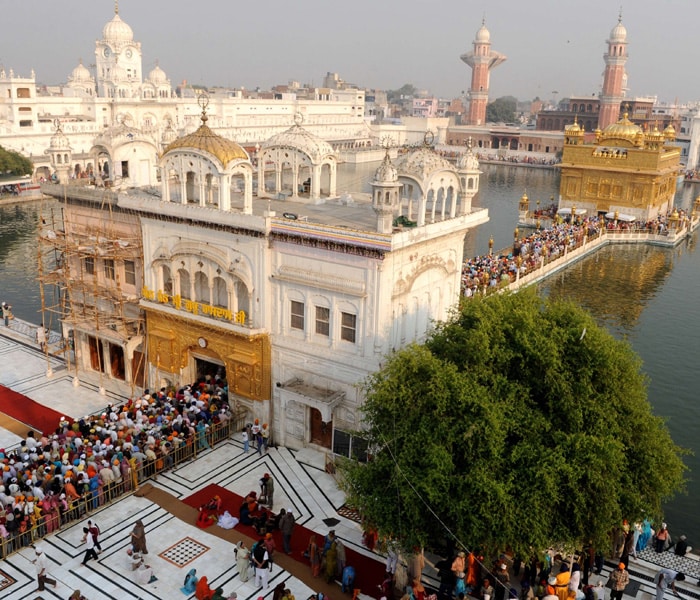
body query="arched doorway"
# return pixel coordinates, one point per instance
(321, 433)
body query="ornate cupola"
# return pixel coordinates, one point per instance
(468, 170)
(573, 134)
(60, 152)
(385, 193)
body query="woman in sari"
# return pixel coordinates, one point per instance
(331, 561)
(314, 556)
(242, 561)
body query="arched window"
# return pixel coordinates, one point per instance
(219, 293)
(242, 302)
(167, 280)
(201, 287)
(185, 289)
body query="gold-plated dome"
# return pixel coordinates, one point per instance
(204, 139)
(623, 129)
(670, 132)
(574, 127)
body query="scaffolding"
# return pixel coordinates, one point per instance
(90, 260)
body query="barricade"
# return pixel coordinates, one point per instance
(37, 525)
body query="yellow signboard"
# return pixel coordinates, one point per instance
(196, 308)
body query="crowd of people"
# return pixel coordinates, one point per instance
(491, 271)
(58, 477)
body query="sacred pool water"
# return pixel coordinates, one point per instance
(647, 295)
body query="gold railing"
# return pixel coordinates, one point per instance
(36, 526)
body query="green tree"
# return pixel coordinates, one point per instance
(407, 90)
(13, 163)
(501, 110)
(520, 423)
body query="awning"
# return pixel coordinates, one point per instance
(620, 217)
(305, 394)
(567, 211)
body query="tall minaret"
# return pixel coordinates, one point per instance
(614, 78)
(481, 59)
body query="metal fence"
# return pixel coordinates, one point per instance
(27, 526)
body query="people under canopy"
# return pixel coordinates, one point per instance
(190, 583)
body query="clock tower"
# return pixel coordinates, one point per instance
(118, 59)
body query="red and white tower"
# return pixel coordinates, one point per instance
(614, 78)
(481, 59)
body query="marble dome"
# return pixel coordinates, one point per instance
(117, 31)
(422, 163)
(298, 138)
(468, 162)
(81, 74)
(386, 172)
(483, 35)
(59, 141)
(157, 76)
(619, 33)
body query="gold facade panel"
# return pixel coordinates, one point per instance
(171, 341)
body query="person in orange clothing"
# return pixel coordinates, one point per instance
(71, 493)
(203, 591)
(472, 571)
(562, 585)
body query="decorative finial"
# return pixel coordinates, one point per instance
(116, 7)
(469, 144)
(203, 101)
(298, 119)
(428, 138)
(483, 20)
(619, 16)
(57, 125)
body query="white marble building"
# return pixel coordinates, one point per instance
(296, 298)
(118, 93)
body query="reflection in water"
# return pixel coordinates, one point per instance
(18, 258)
(615, 284)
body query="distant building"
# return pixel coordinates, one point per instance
(115, 91)
(624, 170)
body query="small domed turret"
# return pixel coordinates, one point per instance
(670, 133)
(483, 35)
(80, 74)
(619, 32)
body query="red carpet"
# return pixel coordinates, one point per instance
(369, 572)
(27, 411)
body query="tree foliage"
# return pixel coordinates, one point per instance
(501, 110)
(13, 163)
(520, 423)
(407, 90)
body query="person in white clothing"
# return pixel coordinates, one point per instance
(90, 546)
(262, 564)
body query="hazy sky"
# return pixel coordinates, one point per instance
(550, 44)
